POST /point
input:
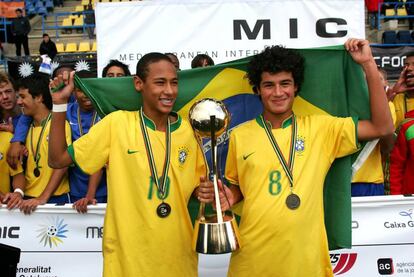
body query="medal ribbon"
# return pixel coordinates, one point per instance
(80, 121)
(287, 166)
(36, 153)
(150, 155)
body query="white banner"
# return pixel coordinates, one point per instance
(56, 241)
(225, 30)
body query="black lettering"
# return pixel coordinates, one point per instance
(293, 27)
(321, 27)
(240, 24)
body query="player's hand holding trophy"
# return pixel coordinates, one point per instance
(215, 233)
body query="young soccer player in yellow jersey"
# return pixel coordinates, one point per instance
(278, 162)
(14, 198)
(43, 184)
(402, 93)
(154, 164)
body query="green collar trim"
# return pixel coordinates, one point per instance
(174, 125)
(286, 123)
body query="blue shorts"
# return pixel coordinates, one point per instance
(367, 189)
(59, 199)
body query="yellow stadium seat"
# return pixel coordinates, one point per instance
(402, 12)
(78, 21)
(85, 2)
(60, 47)
(389, 12)
(84, 46)
(79, 8)
(67, 22)
(71, 47)
(93, 47)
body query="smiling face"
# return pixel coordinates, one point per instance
(8, 97)
(159, 89)
(277, 91)
(84, 102)
(27, 102)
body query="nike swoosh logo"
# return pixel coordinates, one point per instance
(71, 123)
(132, 151)
(248, 155)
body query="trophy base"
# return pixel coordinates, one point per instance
(211, 237)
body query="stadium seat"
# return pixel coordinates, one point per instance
(85, 2)
(93, 47)
(79, 8)
(67, 22)
(60, 47)
(404, 36)
(71, 47)
(389, 12)
(389, 37)
(41, 10)
(84, 46)
(78, 21)
(401, 12)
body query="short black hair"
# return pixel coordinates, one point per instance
(116, 63)
(199, 59)
(146, 60)
(19, 10)
(276, 59)
(57, 69)
(45, 35)
(37, 84)
(409, 54)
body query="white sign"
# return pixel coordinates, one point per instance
(56, 241)
(225, 30)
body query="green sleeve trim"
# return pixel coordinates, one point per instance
(409, 134)
(356, 120)
(71, 152)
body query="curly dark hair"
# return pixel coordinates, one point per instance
(116, 63)
(274, 60)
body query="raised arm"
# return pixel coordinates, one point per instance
(58, 156)
(380, 123)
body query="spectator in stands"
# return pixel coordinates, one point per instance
(372, 8)
(201, 60)
(48, 47)
(409, 6)
(43, 184)
(115, 68)
(10, 111)
(402, 158)
(14, 198)
(142, 204)
(369, 179)
(90, 20)
(174, 60)
(84, 189)
(403, 90)
(20, 29)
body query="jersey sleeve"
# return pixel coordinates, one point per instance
(341, 137)
(22, 129)
(91, 151)
(231, 172)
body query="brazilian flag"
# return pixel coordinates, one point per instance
(334, 84)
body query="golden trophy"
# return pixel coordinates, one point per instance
(216, 233)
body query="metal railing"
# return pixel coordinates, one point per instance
(58, 27)
(3, 27)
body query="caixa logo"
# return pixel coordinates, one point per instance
(407, 223)
(343, 262)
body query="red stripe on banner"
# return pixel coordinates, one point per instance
(351, 261)
(341, 263)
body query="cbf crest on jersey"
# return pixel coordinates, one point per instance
(300, 145)
(182, 155)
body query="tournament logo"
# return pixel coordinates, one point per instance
(52, 232)
(300, 145)
(25, 69)
(182, 155)
(342, 263)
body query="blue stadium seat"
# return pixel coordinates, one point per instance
(39, 4)
(49, 4)
(404, 36)
(41, 10)
(389, 37)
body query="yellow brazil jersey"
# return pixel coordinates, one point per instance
(402, 104)
(36, 185)
(5, 170)
(371, 170)
(278, 241)
(136, 241)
